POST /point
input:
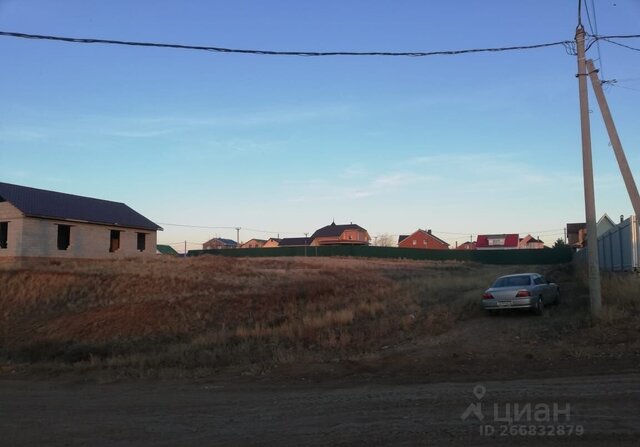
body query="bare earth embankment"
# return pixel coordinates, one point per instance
(302, 351)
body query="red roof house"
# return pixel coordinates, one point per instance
(530, 242)
(497, 242)
(422, 239)
(467, 246)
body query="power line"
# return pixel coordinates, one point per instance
(269, 231)
(207, 227)
(618, 80)
(593, 39)
(619, 44)
(626, 88)
(594, 31)
(620, 36)
(196, 226)
(564, 43)
(586, 8)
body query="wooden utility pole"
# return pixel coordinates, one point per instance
(595, 297)
(614, 138)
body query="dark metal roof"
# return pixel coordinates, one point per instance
(402, 237)
(292, 241)
(34, 202)
(334, 230)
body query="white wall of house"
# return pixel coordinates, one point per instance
(33, 237)
(13, 217)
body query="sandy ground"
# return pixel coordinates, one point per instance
(53, 413)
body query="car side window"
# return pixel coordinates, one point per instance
(538, 280)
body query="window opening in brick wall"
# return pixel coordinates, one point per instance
(142, 241)
(64, 236)
(114, 241)
(4, 234)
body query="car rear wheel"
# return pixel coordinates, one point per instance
(538, 309)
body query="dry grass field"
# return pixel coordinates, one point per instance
(199, 317)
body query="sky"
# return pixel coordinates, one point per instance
(283, 145)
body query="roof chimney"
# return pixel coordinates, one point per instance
(429, 231)
(621, 218)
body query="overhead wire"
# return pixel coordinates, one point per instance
(196, 226)
(569, 46)
(619, 44)
(594, 31)
(208, 227)
(564, 43)
(625, 87)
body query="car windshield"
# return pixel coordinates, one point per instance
(511, 281)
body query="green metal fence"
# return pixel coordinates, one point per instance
(501, 257)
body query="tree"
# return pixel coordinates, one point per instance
(559, 243)
(384, 240)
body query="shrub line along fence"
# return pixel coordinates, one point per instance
(499, 257)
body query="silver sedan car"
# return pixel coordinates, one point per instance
(521, 291)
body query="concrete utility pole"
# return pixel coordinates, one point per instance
(614, 138)
(238, 236)
(595, 297)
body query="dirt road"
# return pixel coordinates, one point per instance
(607, 408)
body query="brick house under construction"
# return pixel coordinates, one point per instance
(39, 223)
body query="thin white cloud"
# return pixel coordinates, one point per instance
(241, 118)
(350, 172)
(460, 159)
(137, 133)
(396, 179)
(346, 188)
(21, 134)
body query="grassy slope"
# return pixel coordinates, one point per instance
(202, 315)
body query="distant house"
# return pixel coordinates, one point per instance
(346, 234)
(422, 239)
(605, 224)
(577, 235)
(253, 243)
(294, 242)
(466, 246)
(272, 242)
(577, 232)
(166, 250)
(40, 223)
(218, 243)
(530, 242)
(497, 242)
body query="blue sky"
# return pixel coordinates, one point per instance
(483, 143)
